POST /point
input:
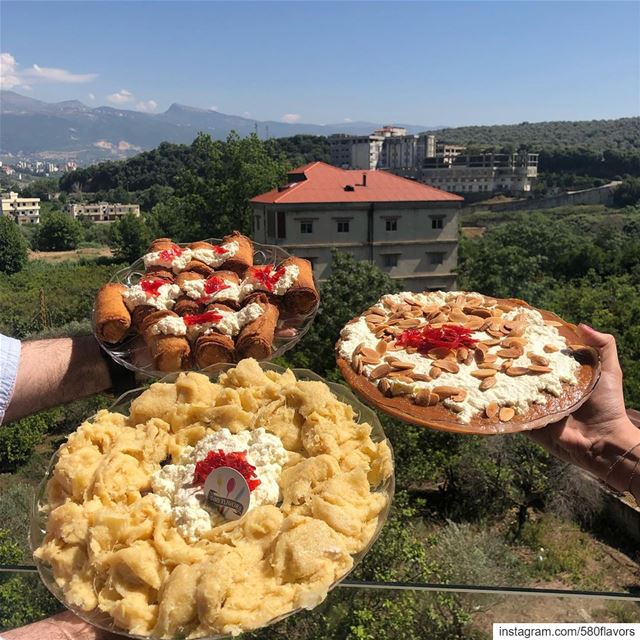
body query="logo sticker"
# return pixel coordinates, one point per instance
(226, 490)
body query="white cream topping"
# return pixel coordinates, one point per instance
(170, 325)
(284, 283)
(176, 495)
(518, 392)
(230, 323)
(214, 259)
(195, 289)
(135, 295)
(166, 258)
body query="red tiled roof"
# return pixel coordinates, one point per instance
(326, 183)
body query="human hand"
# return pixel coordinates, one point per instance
(599, 432)
(62, 626)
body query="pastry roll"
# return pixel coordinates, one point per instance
(214, 346)
(255, 339)
(112, 317)
(302, 296)
(243, 256)
(196, 266)
(185, 304)
(158, 271)
(159, 244)
(164, 332)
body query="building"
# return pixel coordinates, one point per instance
(102, 211)
(22, 210)
(439, 164)
(408, 229)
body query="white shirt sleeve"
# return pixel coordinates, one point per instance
(9, 359)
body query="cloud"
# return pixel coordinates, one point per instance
(348, 120)
(148, 106)
(213, 108)
(51, 74)
(8, 71)
(291, 117)
(92, 96)
(121, 97)
(246, 114)
(11, 75)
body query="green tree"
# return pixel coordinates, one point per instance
(13, 246)
(628, 193)
(58, 232)
(130, 237)
(350, 289)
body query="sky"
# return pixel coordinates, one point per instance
(426, 63)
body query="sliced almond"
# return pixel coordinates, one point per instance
(553, 323)
(513, 341)
(495, 333)
(381, 347)
(401, 364)
(538, 368)
(460, 397)
(456, 408)
(537, 359)
(550, 348)
(447, 365)
(491, 342)
(411, 350)
(384, 386)
(356, 363)
(489, 365)
(483, 373)
(477, 311)
(400, 377)
(426, 398)
(456, 315)
(447, 392)
(439, 353)
(506, 413)
(517, 371)
(490, 357)
(420, 377)
(509, 353)
(487, 383)
(461, 354)
(370, 354)
(380, 371)
(435, 372)
(491, 410)
(474, 323)
(409, 323)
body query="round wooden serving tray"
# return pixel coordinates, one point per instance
(538, 416)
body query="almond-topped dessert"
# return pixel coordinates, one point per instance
(465, 362)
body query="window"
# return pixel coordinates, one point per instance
(343, 226)
(437, 222)
(391, 224)
(390, 259)
(306, 226)
(282, 225)
(271, 224)
(437, 257)
(256, 223)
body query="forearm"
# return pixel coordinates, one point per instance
(616, 458)
(54, 372)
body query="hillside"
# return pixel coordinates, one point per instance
(595, 135)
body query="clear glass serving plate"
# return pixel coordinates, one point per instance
(38, 518)
(132, 352)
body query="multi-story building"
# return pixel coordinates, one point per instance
(102, 211)
(440, 164)
(22, 210)
(408, 229)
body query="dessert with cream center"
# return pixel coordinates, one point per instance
(476, 357)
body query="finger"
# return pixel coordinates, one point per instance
(606, 345)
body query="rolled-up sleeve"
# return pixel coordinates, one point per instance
(9, 359)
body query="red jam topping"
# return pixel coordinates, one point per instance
(268, 275)
(152, 287)
(202, 318)
(236, 460)
(219, 250)
(451, 336)
(168, 255)
(215, 284)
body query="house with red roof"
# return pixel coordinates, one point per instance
(406, 228)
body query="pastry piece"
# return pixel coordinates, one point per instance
(202, 269)
(211, 335)
(464, 362)
(186, 305)
(164, 333)
(159, 244)
(302, 296)
(242, 257)
(149, 295)
(213, 348)
(112, 317)
(255, 339)
(158, 271)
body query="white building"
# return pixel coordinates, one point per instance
(22, 210)
(406, 228)
(102, 211)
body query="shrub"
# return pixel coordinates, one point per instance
(130, 237)
(58, 232)
(13, 246)
(18, 439)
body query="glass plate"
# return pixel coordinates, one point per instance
(132, 352)
(38, 523)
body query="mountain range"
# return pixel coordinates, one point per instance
(72, 130)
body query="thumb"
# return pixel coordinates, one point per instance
(605, 343)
